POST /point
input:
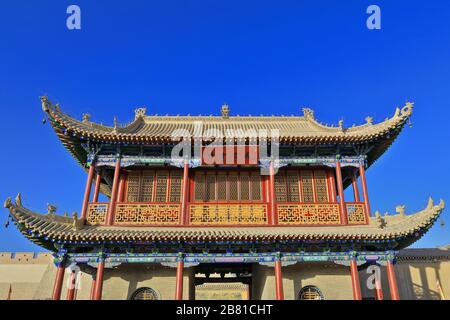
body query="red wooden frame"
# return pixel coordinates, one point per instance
(227, 173)
(264, 189)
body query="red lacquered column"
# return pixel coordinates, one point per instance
(112, 203)
(58, 281)
(362, 174)
(99, 280)
(355, 280)
(332, 187)
(343, 210)
(278, 279)
(179, 279)
(273, 206)
(121, 187)
(71, 289)
(98, 180)
(392, 281)
(87, 191)
(355, 187)
(185, 197)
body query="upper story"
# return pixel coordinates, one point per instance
(223, 180)
(226, 170)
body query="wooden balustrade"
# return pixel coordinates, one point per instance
(227, 214)
(96, 213)
(308, 214)
(147, 214)
(357, 213)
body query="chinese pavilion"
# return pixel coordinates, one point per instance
(235, 201)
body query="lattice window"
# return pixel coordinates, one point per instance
(161, 186)
(245, 187)
(153, 186)
(280, 188)
(321, 185)
(199, 191)
(310, 293)
(176, 180)
(210, 193)
(144, 294)
(221, 187)
(256, 187)
(148, 178)
(225, 186)
(293, 186)
(307, 186)
(233, 187)
(134, 179)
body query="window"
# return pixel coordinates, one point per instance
(144, 294)
(310, 293)
(220, 186)
(306, 186)
(154, 186)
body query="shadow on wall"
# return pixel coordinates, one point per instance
(418, 281)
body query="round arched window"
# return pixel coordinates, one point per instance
(144, 294)
(310, 293)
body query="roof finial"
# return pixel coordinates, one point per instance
(139, 113)
(115, 124)
(369, 120)
(86, 117)
(51, 209)
(45, 103)
(308, 113)
(225, 111)
(400, 209)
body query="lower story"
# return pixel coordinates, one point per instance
(419, 274)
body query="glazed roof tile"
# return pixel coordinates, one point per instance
(57, 227)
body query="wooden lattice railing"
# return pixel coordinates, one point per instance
(356, 213)
(228, 214)
(221, 214)
(96, 213)
(147, 214)
(308, 214)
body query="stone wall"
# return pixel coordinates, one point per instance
(333, 280)
(31, 277)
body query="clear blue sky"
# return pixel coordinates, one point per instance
(270, 57)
